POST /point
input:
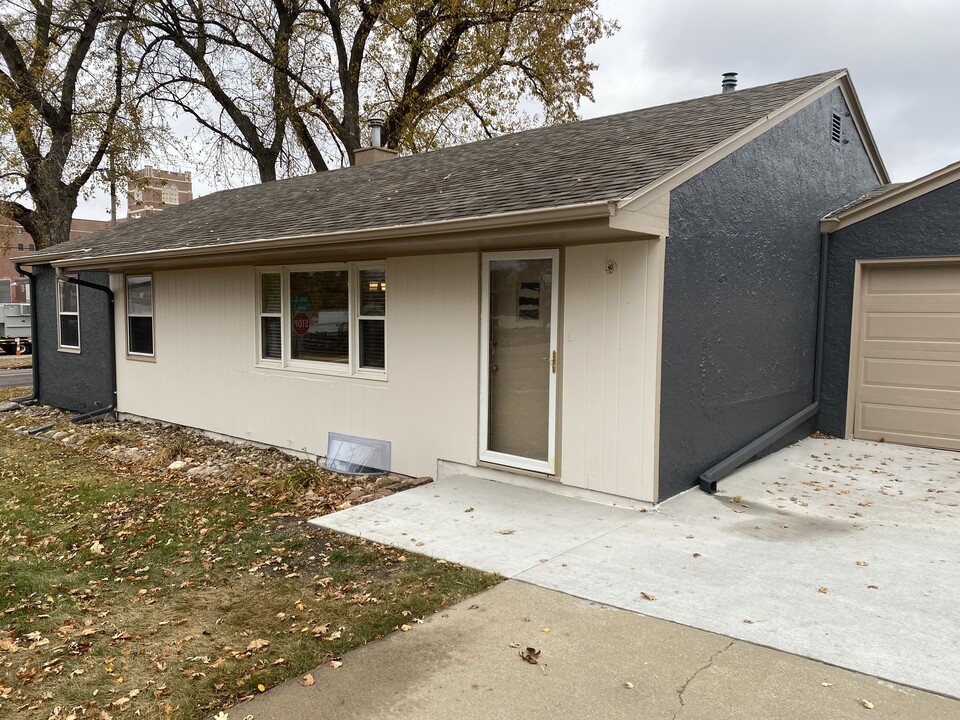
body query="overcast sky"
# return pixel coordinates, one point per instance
(903, 56)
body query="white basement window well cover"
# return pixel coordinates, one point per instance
(326, 318)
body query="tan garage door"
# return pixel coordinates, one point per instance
(908, 367)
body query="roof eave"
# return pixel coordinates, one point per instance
(921, 186)
(443, 228)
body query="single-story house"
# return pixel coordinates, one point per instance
(892, 334)
(609, 307)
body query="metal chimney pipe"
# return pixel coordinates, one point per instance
(729, 82)
(375, 123)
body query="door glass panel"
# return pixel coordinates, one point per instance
(520, 321)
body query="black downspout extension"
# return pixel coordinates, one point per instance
(34, 357)
(709, 479)
(83, 417)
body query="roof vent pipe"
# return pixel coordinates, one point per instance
(729, 82)
(375, 124)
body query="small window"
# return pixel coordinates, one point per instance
(140, 314)
(371, 317)
(32, 248)
(68, 316)
(271, 320)
(19, 246)
(836, 129)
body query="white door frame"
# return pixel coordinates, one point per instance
(549, 466)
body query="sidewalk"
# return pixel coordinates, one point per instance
(460, 663)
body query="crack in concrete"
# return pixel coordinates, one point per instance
(682, 689)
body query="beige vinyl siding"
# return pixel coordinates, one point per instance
(610, 368)
(907, 383)
(205, 373)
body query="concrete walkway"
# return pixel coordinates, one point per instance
(462, 663)
(841, 551)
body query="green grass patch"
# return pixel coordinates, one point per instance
(150, 594)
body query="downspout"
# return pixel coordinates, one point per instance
(34, 357)
(709, 479)
(83, 417)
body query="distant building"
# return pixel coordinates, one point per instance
(160, 189)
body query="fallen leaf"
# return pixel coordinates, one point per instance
(257, 644)
(822, 589)
(307, 680)
(404, 628)
(546, 629)
(469, 509)
(506, 532)
(862, 563)
(826, 684)
(531, 655)
(696, 555)
(514, 645)
(261, 687)
(648, 596)
(866, 703)
(628, 685)
(749, 622)
(873, 587)
(96, 548)
(334, 635)
(335, 664)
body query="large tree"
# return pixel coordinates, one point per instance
(64, 114)
(289, 83)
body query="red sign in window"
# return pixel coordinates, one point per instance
(301, 323)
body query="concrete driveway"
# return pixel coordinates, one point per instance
(846, 552)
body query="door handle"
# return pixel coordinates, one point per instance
(494, 368)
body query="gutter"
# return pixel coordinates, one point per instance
(601, 209)
(710, 478)
(83, 417)
(34, 356)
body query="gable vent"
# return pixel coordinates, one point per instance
(836, 127)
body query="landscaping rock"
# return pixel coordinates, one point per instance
(239, 466)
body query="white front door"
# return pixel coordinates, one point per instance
(518, 360)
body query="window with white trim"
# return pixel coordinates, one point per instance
(140, 314)
(68, 316)
(328, 318)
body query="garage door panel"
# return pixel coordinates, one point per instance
(895, 349)
(926, 278)
(924, 327)
(907, 385)
(897, 372)
(911, 425)
(912, 303)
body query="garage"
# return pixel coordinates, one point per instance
(906, 362)
(891, 340)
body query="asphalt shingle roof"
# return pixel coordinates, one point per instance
(599, 159)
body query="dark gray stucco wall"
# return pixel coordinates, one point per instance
(74, 381)
(741, 287)
(927, 226)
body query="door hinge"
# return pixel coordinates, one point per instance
(553, 362)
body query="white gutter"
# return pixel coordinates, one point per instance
(566, 213)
